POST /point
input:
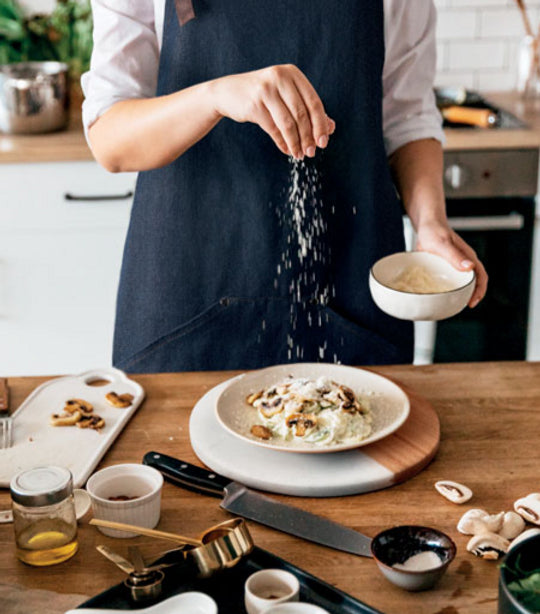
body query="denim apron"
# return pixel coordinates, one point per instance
(204, 284)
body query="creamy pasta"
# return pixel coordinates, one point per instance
(315, 411)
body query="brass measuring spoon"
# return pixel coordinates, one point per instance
(222, 547)
(122, 526)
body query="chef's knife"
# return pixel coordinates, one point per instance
(247, 503)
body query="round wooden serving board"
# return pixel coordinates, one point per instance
(391, 460)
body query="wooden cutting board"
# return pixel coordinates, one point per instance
(389, 461)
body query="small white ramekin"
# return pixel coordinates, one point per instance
(268, 587)
(130, 480)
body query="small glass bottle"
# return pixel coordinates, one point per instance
(528, 66)
(44, 515)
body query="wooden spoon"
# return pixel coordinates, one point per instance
(525, 17)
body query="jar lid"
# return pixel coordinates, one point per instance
(41, 486)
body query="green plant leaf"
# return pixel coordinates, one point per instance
(11, 10)
(64, 35)
(526, 588)
(11, 30)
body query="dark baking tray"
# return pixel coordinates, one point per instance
(227, 588)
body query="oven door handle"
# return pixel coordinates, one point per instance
(482, 223)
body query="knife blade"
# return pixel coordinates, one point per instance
(247, 503)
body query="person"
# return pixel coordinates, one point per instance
(213, 101)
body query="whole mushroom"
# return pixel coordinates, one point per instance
(477, 522)
(513, 525)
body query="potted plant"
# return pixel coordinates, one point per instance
(65, 35)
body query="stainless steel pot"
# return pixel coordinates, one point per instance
(33, 97)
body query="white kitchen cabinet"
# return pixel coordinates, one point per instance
(60, 260)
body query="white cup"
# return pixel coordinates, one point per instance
(268, 587)
(82, 502)
(139, 483)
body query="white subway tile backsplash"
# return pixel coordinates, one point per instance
(476, 55)
(495, 23)
(480, 3)
(441, 57)
(456, 24)
(494, 80)
(456, 79)
(478, 41)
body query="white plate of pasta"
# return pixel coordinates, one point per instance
(312, 407)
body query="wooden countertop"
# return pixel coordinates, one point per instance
(490, 419)
(64, 146)
(70, 144)
(479, 138)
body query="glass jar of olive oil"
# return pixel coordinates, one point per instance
(44, 515)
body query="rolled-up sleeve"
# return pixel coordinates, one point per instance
(409, 109)
(125, 57)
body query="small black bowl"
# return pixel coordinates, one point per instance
(397, 544)
(527, 554)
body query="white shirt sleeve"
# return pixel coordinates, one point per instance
(409, 109)
(125, 59)
(127, 41)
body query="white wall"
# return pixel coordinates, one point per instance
(478, 42)
(38, 6)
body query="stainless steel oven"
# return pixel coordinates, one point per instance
(491, 203)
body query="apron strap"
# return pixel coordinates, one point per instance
(184, 11)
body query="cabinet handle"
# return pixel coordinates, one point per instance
(69, 196)
(513, 221)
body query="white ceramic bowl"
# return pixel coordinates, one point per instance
(191, 602)
(412, 306)
(129, 480)
(389, 404)
(296, 608)
(268, 587)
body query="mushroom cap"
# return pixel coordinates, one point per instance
(488, 546)
(513, 525)
(469, 522)
(477, 521)
(529, 507)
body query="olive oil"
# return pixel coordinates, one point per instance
(47, 542)
(44, 517)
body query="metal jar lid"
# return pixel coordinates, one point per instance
(41, 486)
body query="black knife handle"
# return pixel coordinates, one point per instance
(188, 476)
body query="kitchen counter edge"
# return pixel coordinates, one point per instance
(70, 145)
